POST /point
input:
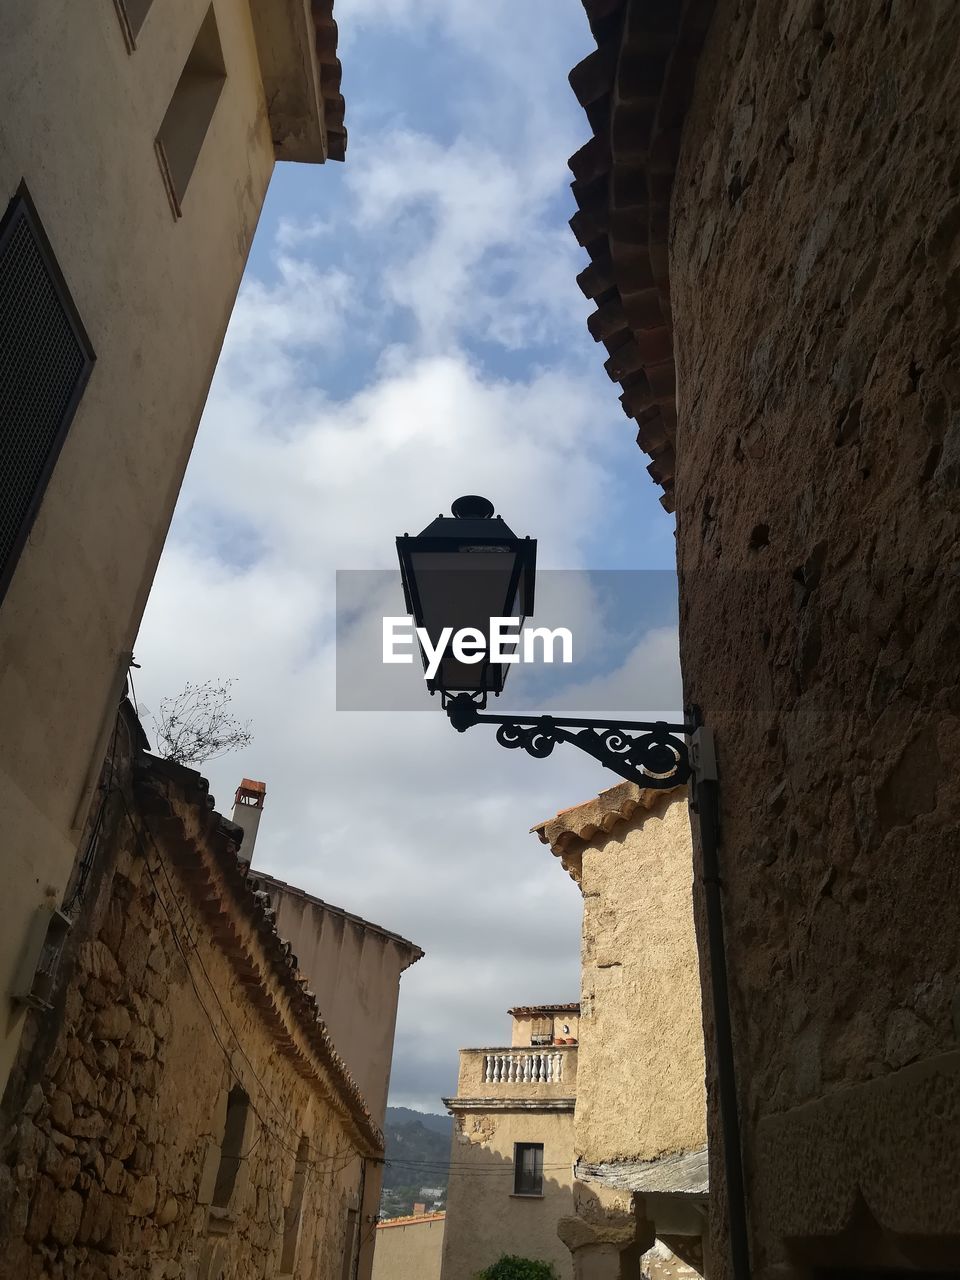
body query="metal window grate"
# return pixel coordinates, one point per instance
(45, 361)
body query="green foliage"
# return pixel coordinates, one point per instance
(510, 1267)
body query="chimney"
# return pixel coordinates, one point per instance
(419, 1210)
(247, 808)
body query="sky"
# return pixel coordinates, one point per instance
(409, 329)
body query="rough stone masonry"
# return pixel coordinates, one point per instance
(815, 293)
(176, 992)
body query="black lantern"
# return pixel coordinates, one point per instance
(463, 571)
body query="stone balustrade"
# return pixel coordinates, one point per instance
(535, 1067)
(518, 1071)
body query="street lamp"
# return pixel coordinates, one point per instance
(462, 571)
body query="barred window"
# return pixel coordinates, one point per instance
(45, 361)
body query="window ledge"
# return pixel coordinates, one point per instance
(220, 1222)
(526, 1195)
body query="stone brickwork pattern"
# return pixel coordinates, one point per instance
(113, 1122)
(815, 292)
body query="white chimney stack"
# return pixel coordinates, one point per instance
(247, 808)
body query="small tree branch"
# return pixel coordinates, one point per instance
(197, 725)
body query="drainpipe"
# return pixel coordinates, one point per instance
(706, 805)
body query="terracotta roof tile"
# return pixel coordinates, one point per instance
(525, 1010)
(331, 72)
(162, 786)
(571, 829)
(412, 1220)
(268, 883)
(634, 88)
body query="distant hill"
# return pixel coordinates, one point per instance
(417, 1157)
(406, 1115)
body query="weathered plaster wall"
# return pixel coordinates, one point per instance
(409, 1250)
(354, 968)
(641, 1072)
(154, 295)
(523, 1026)
(815, 287)
(484, 1218)
(111, 1126)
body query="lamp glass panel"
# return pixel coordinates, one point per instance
(459, 589)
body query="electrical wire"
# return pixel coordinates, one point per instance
(345, 1154)
(453, 1164)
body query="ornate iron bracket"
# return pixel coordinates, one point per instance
(650, 753)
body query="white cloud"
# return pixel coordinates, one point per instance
(479, 256)
(447, 246)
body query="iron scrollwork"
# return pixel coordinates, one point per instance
(651, 754)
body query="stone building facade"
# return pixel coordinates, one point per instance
(409, 1248)
(179, 1109)
(641, 1189)
(511, 1152)
(137, 140)
(354, 969)
(771, 204)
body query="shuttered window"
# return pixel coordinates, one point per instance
(45, 361)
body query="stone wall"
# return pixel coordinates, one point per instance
(815, 291)
(112, 1126)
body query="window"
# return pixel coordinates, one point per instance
(45, 361)
(349, 1245)
(132, 14)
(191, 110)
(232, 1149)
(294, 1210)
(528, 1168)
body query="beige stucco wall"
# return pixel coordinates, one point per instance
(814, 291)
(522, 1026)
(640, 1090)
(409, 1251)
(154, 294)
(354, 968)
(484, 1218)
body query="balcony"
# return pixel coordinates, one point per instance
(520, 1073)
(523, 1068)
